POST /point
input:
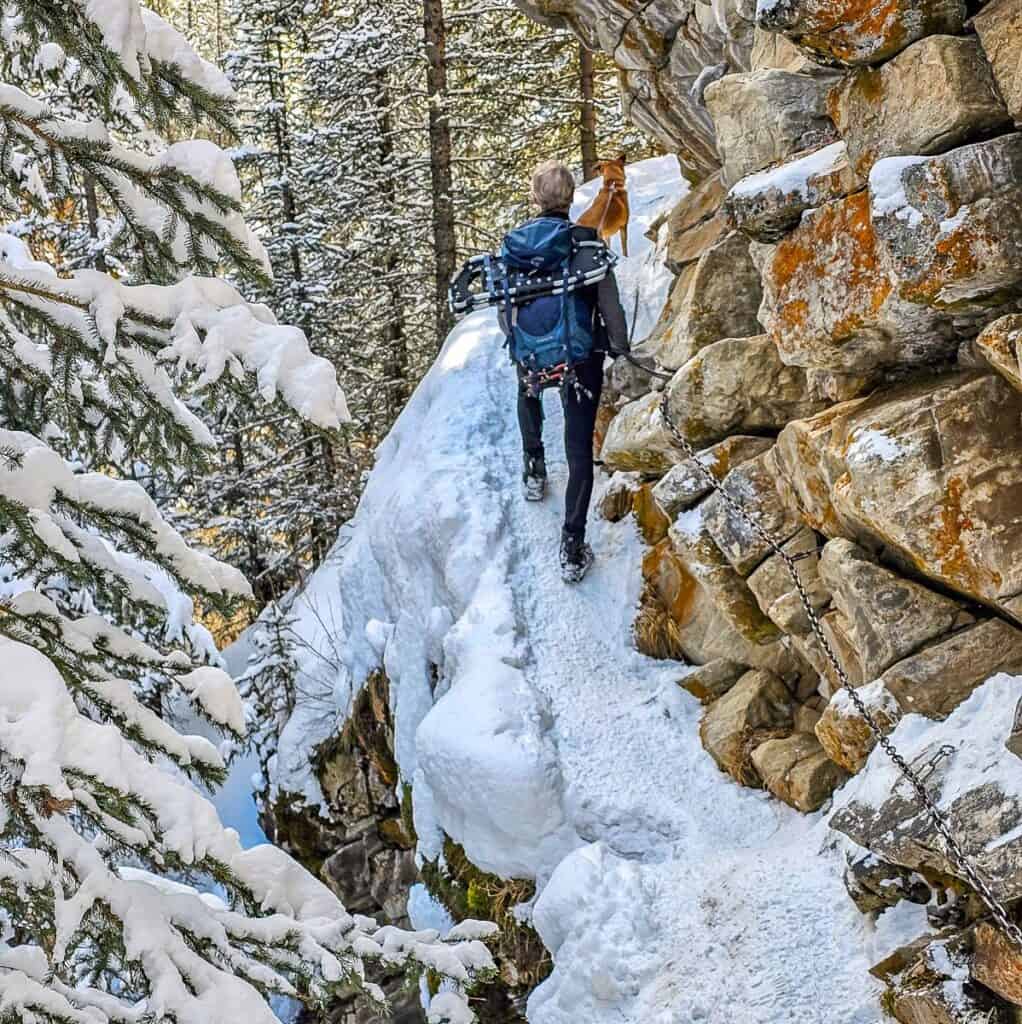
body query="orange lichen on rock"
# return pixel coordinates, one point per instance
(826, 282)
(955, 259)
(857, 32)
(653, 524)
(951, 548)
(674, 585)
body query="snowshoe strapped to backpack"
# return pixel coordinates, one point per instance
(538, 279)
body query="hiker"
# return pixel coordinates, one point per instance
(597, 326)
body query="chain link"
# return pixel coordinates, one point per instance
(957, 855)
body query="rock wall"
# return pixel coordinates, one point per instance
(361, 842)
(845, 340)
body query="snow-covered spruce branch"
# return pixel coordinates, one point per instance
(200, 328)
(47, 487)
(97, 661)
(123, 45)
(183, 205)
(189, 957)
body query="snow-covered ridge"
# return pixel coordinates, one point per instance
(543, 742)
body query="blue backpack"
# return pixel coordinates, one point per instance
(554, 329)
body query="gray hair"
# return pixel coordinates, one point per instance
(553, 186)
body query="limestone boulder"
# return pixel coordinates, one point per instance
(1001, 345)
(705, 620)
(879, 617)
(938, 678)
(999, 27)
(716, 297)
(649, 517)
(830, 302)
(658, 103)
(696, 224)
(968, 774)
(937, 94)
(796, 770)
(624, 381)
(367, 873)
(806, 718)
(738, 385)
(752, 487)
(770, 50)
(660, 48)
(767, 205)
(775, 590)
(946, 492)
(852, 33)
(932, 682)
(875, 885)
(763, 117)
(929, 985)
(930, 470)
(997, 963)
(616, 501)
(713, 680)
(694, 545)
(685, 483)
(950, 226)
(638, 439)
(757, 708)
(808, 463)
(844, 733)
(841, 387)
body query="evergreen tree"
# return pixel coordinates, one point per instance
(268, 686)
(352, 121)
(99, 797)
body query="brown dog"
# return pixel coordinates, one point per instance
(609, 213)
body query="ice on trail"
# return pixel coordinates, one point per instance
(536, 736)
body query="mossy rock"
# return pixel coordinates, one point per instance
(470, 893)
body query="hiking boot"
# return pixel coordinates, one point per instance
(576, 558)
(534, 477)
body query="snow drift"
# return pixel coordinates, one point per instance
(535, 736)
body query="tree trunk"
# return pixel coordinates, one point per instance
(282, 134)
(440, 150)
(587, 119)
(318, 468)
(92, 212)
(395, 334)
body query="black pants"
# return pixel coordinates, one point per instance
(579, 424)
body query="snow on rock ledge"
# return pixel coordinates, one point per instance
(974, 779)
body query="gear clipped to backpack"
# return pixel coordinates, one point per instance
(538, 280)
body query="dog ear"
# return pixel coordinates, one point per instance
(622, 159)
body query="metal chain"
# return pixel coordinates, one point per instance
(940, 822)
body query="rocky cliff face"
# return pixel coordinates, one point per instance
(360, 840)
(845, 343)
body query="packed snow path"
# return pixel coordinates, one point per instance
(537, 737)
(690, 870)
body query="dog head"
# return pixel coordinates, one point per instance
(613, 171)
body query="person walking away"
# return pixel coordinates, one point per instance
(599, 312)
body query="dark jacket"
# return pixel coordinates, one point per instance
(611, 326)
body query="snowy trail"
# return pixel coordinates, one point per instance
(732, 886)
(731, 880)
(537, 737)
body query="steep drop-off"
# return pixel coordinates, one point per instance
(836, 294)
